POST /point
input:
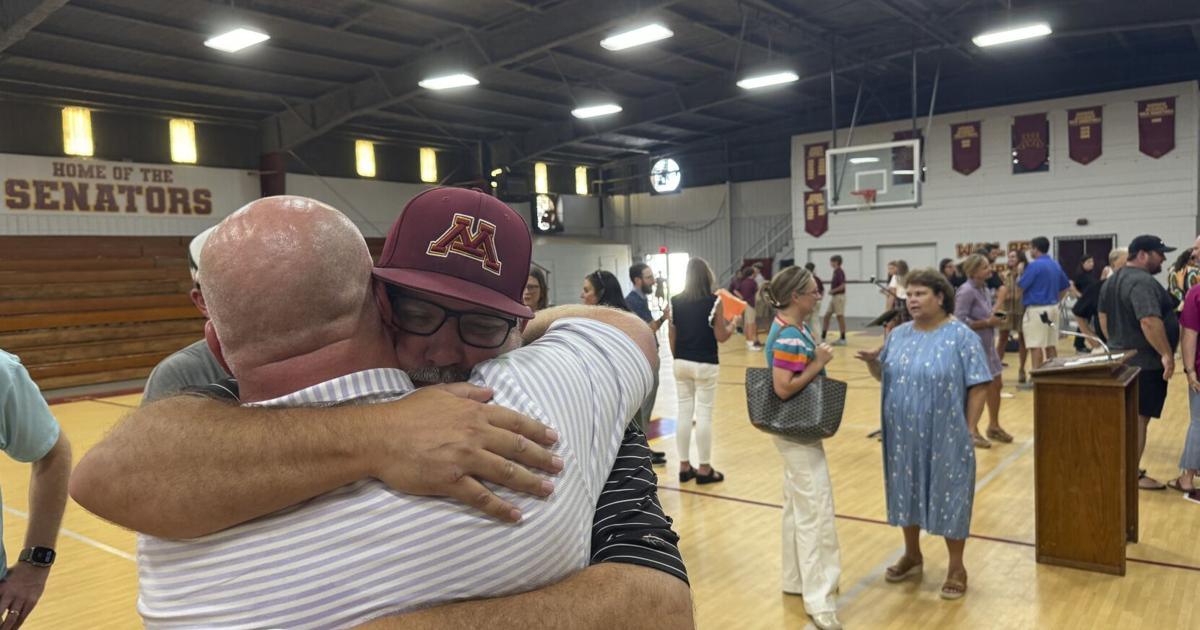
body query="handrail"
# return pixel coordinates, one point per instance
(766, 240)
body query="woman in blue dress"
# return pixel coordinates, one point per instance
(935, 380)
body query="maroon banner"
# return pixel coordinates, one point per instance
(816, 218)
(1084, 126)
(1156, 126)
(1030, 140)
(814, 165)
(964, 147)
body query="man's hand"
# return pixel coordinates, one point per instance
(20, 592)
(445, 445)
(1168, 363)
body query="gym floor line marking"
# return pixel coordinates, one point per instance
(115, 404)
(80, 537)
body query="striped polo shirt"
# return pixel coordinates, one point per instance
(790, 347)
(365, 551)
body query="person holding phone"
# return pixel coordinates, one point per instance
(973, 307)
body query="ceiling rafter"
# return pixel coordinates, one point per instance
(19, 17)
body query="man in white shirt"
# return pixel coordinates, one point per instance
(335, 349)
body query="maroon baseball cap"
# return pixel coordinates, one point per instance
(460, 244)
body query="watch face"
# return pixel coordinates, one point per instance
(39, 556)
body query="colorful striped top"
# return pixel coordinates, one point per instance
(790, 347)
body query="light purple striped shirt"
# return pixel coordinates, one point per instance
(364, 551)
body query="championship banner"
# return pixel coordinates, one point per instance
(1031, 140)
(814, 165)
(816, 217)
(964, 147)
(1156, 126)
(74, 187)
(1083, 133)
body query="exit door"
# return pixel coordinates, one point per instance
(1072, 250)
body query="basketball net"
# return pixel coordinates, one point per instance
(867, 195)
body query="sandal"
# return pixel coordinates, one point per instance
(1175, 485)
(687, 475)
(1021, 377)
(1148, 483)
(999, 435)
(903, 569)
(954, 588)
(980, 441)
(713, 476)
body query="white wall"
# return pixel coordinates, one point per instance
(569, 259)
(373, 205)
(720, 223)
(1123, 192)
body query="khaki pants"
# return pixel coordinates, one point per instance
(812, 562)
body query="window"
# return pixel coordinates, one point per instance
(541, 178)
(429, 173)
(183, 141)
(77, 131)
(581, 180)
(364, 158)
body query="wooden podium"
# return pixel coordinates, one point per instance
(1085, 461)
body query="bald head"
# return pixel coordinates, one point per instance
(283, 277)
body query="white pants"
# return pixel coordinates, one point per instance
(812, 563)
(696, 384)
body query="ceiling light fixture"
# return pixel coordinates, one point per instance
(449, 81)
(764, 80)
(236, 40)
(636, 37)
(864, 160)
(1011, 35)
(592, 111)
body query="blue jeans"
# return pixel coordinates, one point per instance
(1190, 460)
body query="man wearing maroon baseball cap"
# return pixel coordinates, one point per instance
(450, 284)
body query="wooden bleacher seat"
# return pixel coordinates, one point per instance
(83, 310)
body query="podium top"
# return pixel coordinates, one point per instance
(1081, 364)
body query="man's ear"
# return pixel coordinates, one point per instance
(214, 345)
(198, 299)
(383, 304)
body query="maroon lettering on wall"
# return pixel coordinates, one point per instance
(16, 194)
(106, 201)
(816, 216)
(75, 196)
(202, 201)
(965, 147)
(41, 194)
(180, 201)
(1031, 140)
(156, 200)
(1156, 126)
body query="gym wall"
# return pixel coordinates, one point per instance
(1123, 192)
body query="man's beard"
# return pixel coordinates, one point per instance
(437, 376)
(647, 289)
(1154, 268)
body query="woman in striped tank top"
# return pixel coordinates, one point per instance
(811, 559)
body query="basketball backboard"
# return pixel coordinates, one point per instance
(880, 175)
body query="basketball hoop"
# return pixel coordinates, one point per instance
(868, 197)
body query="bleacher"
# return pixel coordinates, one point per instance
(84, 310)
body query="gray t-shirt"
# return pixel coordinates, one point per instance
(1128, 296)
(193, 366)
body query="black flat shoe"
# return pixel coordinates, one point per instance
(687, 475)
(713, 476)
(658, 458)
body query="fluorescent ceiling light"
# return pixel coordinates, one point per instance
(596, 110)
(864, 160)
(903, 172)
(1011, 35)
(236, 40)
(753, 83)
(448, 81)
(636, 37)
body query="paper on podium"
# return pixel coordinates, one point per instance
(731, 304)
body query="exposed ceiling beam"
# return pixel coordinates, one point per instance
(924, 23)
(18, 17)
(556, 26)
(247, 13)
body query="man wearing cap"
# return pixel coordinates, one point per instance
(1137, 313)
(194, 365)
(1043, 286)
(448, 266)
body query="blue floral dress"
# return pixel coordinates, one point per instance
(928, 456)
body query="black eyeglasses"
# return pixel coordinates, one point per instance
(421, 317)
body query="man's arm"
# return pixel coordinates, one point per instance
(627, 323)
(1104, 324)
(188, 466)
(1156, 334)
(23, 586)
(601, 597)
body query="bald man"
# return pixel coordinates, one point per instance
(337, 349)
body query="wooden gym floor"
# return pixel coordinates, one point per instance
(730, 531)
